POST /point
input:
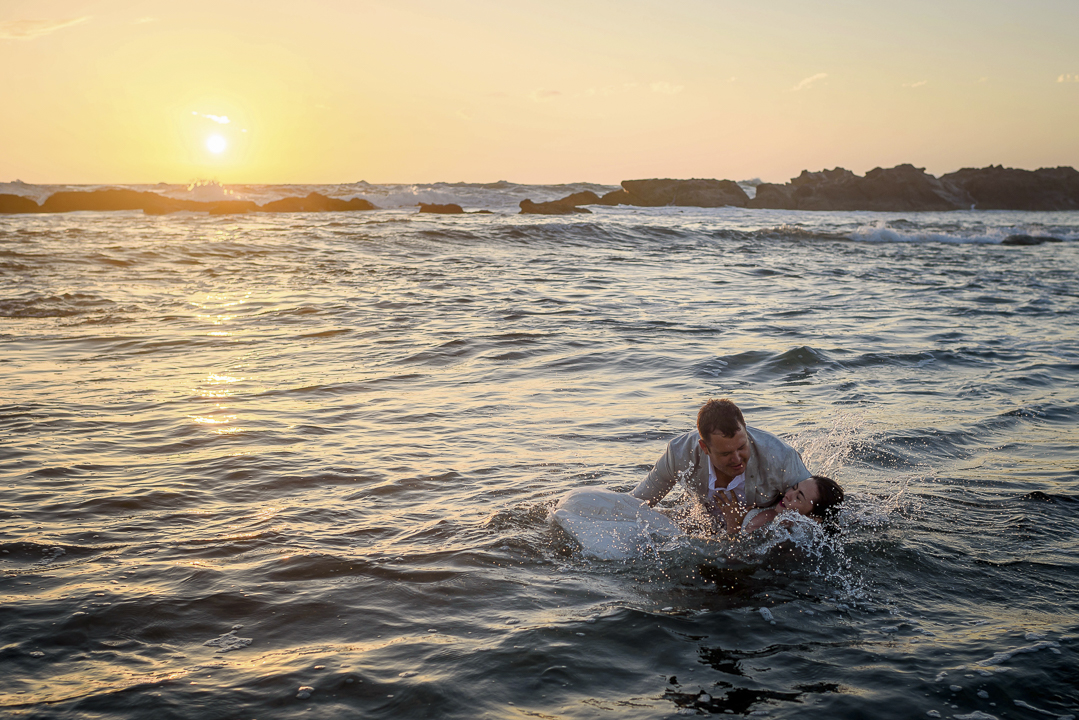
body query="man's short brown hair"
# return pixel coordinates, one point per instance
(721, 416)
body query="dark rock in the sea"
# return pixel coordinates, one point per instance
(1001, 188)
(448, 209)
(317, 202)
(554, 207)
(115, 199)
(900, 189)
(776, 197)
(1030, 240)
(563, 206)
(684, 193)
(906, 187)
(838, 192)
(615, 197)
(231, 207)
(154, 204)
(17, 204)
(585, 197)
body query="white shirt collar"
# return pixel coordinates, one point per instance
(737, 486)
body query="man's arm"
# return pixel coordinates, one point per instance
(660, 479)
(773, 467)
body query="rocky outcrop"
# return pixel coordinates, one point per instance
(154, 204)
(317, 202)
(681, 193)
(615, 197)
(774, 197)
(906, 187)
(585, 197)
(1030, 240)
(116, 199)
(903, 188)
(564, 206)
(17, 204)
(1001, 188)
(448, 209)
(553, 207)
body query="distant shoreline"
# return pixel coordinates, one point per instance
(903, 188)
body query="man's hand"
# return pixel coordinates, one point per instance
(734, 512)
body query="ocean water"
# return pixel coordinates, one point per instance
(301, 465)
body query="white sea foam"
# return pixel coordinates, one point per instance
(1028, 706)
(228, 642)
(879, 232)
(1008, 655)
(891, 230)
(51, 554)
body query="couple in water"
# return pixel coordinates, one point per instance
(745, 477)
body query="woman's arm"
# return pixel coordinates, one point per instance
(734, 512)
(760, 520)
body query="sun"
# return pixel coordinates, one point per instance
(216, 144)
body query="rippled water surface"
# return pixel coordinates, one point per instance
(263, 466)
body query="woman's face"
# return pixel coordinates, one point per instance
(801, 498)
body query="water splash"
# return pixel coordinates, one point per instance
(208, 191)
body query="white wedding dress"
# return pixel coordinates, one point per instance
(611, 525)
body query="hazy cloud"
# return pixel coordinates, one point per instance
(809, 81)
(915, 84)
(31, 29)
(1068, 77)
(666, 88)
(220, 119)
(609, 90)
(544, 95)
(144, 20)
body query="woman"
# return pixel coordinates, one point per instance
(815, 497)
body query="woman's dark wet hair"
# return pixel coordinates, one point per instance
(829, 496)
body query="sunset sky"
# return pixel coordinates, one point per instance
(327, 91)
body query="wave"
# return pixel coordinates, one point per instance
(44, 306)
(621, 223)
(905, 231)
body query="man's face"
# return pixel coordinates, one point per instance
(728, 454)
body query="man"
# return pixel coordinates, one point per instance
(723, 454)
